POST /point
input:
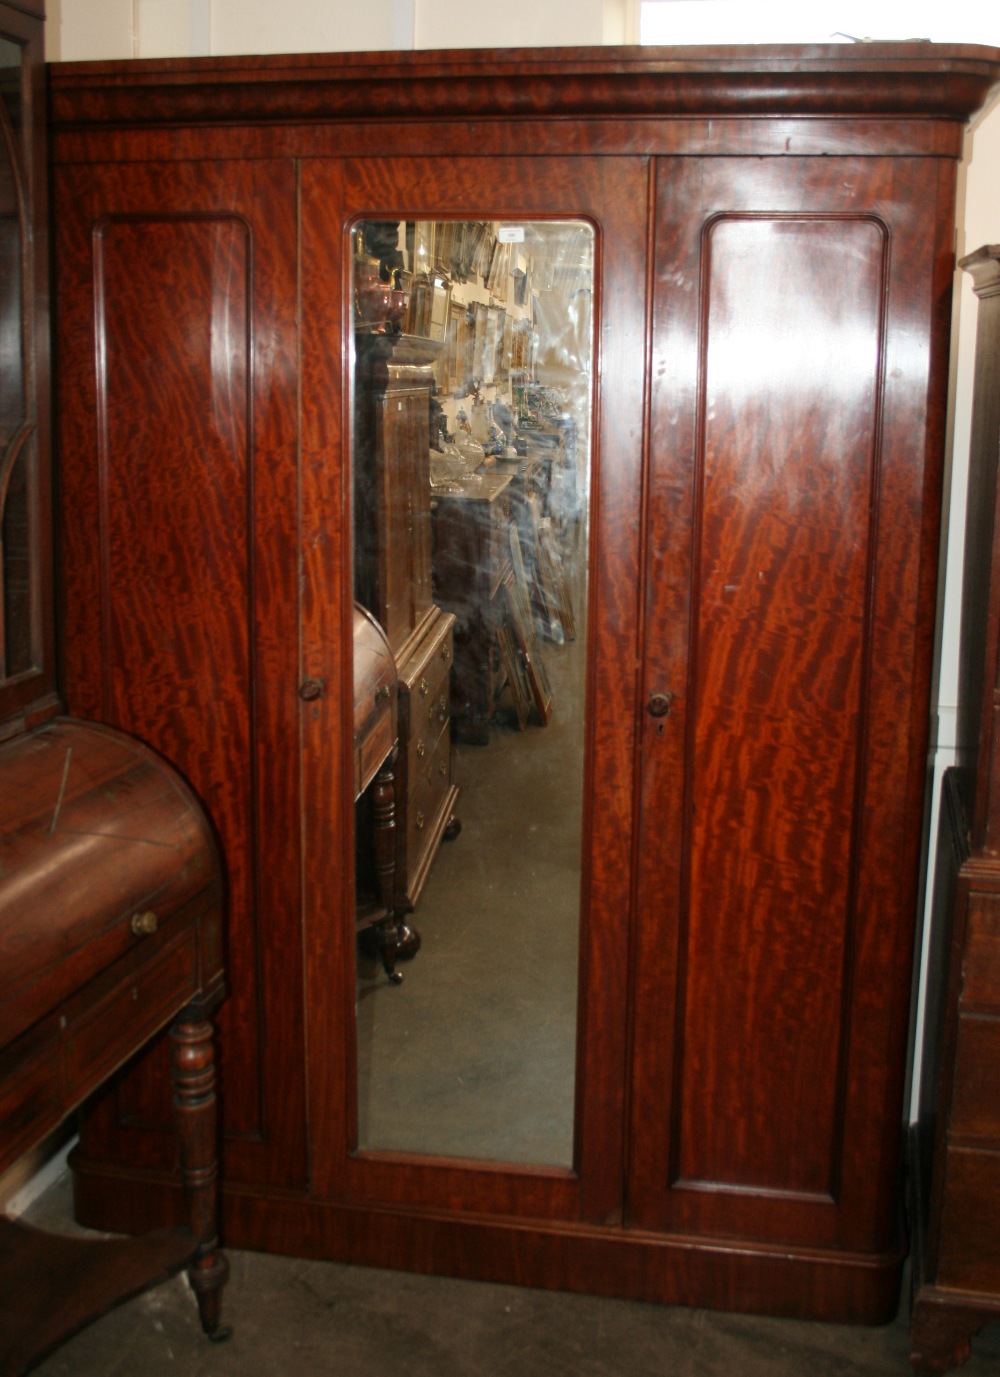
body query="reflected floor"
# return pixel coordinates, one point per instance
(473, 1055)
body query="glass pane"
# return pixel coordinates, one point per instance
(16, 445)
(471, 478)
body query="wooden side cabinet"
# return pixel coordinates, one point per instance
(955, 1153)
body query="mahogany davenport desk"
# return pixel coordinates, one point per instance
(110, 928)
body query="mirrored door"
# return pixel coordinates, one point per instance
(491, 491)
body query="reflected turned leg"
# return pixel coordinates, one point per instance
(396, 939)
(193, 1078)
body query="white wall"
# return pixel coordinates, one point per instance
(87, 29)
(512, 24)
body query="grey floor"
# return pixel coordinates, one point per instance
(295, 1317)
(474, 1054)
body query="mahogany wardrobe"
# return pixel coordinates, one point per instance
(769, 255)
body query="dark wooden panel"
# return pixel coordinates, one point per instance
(896, 78)
(173, 347)
(774, 697)
(670, 1269)
(788, 474)
(695, 136)
(980, 987)
(975, 1106)
(173, 319)
(969, 1249)
(179, 450)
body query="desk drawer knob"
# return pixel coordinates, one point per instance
(145, 923)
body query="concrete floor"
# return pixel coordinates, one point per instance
(295, 1317)
(474, 1054)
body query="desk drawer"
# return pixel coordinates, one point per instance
(981, 963)
(975, 1105)
(106, 1033)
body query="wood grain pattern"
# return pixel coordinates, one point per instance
(614, 198)
(530, 82)
(190, 473)
(826, 896)
(789, 471)
(743, 946)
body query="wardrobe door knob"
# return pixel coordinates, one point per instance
(659, 704)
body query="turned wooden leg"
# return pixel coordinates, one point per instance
(397, 941)
(193, 1078)
(385, 836)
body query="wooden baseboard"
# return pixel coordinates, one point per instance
(668, 1269)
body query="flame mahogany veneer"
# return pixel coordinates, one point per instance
(775, 235)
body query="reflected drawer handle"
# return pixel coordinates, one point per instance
(443, 770)
(445, 653)
(145, 923)
(421, 750)
(383, 691)
(425, 688)
(420, 822)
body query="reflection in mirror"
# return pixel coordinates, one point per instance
(471, 475)
(17, 651)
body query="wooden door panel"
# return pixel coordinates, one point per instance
(791, 381)
(179, 482)
(614, 196)
(784, 597)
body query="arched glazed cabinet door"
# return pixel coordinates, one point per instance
(518, 283)
(27, 659)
